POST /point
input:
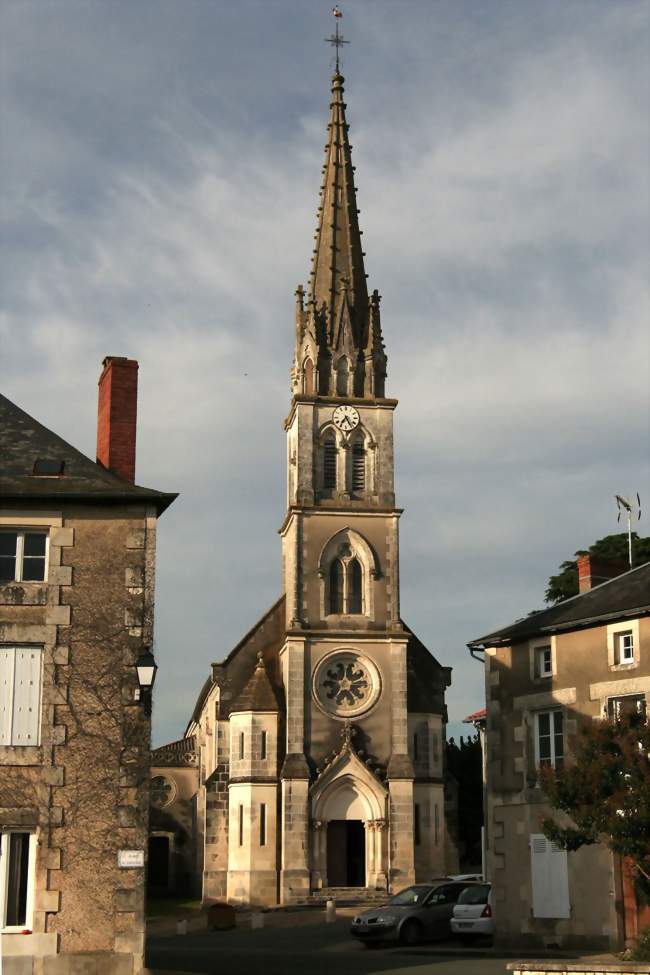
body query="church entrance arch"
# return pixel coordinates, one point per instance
(345, 839)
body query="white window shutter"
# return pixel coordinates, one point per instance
(6, 694)
(550, 878)
(27, 697)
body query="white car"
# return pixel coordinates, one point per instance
(472, 916)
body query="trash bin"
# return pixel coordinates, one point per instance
(221, 916)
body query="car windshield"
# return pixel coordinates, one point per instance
(475, 895)
(410, 896)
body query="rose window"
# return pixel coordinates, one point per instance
(162, 791)
(346, 684)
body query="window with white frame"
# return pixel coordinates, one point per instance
(23, 556)
(20, 695)
(624, 647)
(619, 707)
(549, 739)
(544, 661)
(17, 858)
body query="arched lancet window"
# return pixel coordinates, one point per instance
(330, 454)
(336, 587)
(358, 467)
(342, 373)
(308, 377)
(354, 587)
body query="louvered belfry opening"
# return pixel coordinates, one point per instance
(358, 467)
(330, 453)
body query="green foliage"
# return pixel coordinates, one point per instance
(605, 790)
(465, 763)
(641, 951)
(565, 584)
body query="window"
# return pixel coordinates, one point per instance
(330, 457)
(17, 855)
(20, 695)
(342, 372)
(624, 647)
(263, 746)
(619, 707)
(336, 586)
(241, 746)
(22, 556)
(416, 823)
(263, 824)
(415, 746)
(549, 739)
(355, 578)
(241, 825)
(308, 377)
(346, 587)
(358, 467)
(543, 661)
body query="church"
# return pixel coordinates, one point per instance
(319, 741)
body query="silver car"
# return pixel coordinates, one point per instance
(418, 913)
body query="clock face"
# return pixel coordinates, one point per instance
(346, 418)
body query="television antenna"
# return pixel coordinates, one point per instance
(632, 511)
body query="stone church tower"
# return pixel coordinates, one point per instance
(321, 736)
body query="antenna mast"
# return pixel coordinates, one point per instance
(631, 510)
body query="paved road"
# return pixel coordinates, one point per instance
(307, 949)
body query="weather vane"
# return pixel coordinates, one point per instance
(337, 40)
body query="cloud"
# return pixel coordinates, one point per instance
(159, 201)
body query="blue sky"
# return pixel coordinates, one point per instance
(160, 169)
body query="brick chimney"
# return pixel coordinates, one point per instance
(593, 570)
(117, 410)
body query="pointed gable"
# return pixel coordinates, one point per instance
(258, 693)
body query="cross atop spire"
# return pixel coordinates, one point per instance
(337, 39)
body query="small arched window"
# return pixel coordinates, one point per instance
(308, 377)
(358, 467)
(330, 455)
(342, 373)
(336, 586)
(354, 580)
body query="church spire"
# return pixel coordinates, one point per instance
(337, 266)
(338, 321)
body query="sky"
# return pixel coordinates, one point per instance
(160, 164)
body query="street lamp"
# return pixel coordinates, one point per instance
(146, 668)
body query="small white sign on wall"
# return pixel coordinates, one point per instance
(130, 858)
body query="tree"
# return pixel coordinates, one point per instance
(605, 790)
(565, 584)
(465, 763)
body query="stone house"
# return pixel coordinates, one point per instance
(321, 735)
(575, 662)
(77, 559)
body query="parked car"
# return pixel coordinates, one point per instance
(418, 913)
(472, 914)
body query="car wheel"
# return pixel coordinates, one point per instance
(410, 934)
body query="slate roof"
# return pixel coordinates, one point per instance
(175, 753)
(257, 694)
(23, 440)
(627, 595)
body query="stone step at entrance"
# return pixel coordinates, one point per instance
(350, 896)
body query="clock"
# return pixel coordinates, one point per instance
(346, 418)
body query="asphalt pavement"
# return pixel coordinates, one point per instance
(308, 946)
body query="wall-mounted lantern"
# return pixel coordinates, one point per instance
(146, 669)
